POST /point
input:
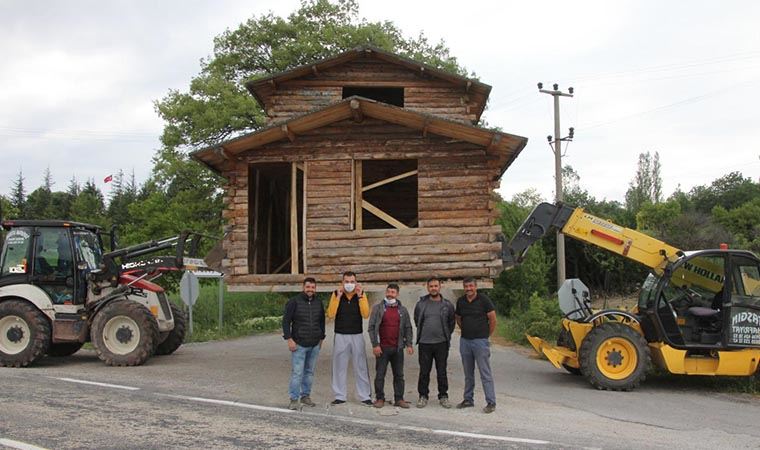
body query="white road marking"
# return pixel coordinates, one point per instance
(19, 445)
(228, 403)
(491, 437)
(355, 420)
(95, 383)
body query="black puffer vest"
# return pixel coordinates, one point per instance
(306, 321)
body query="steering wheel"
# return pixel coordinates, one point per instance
(685, 298)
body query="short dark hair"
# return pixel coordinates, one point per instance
(309, 280)
(469, 280)
(433, 278)
(393, 286)
(348, 273)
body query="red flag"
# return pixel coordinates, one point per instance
(108, 179)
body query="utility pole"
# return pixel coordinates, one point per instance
(559, 197)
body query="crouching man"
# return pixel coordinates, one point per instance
(390, 331)
(303, 326)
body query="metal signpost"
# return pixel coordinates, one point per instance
(189, 290)
(220, 277)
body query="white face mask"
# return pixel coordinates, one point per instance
(390, 301)
(349, 287)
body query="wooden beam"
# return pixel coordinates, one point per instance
(293, 218)
(300, 166)
(383, 215)
(304, 168)
(268, 267)
(494, 142)
(256, 223)
(390, 180)
(356, 110)
(358, 195)
(352, 209)
(288, 132)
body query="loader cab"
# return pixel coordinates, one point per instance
(52, 255)
(706, 300)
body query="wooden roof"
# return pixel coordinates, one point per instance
(505, 147)
(263, 88)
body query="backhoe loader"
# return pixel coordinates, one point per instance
(698, 312)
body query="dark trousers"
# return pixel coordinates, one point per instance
(427, 354)
(395, 356)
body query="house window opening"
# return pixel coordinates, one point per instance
(389, 95)
(388, 197)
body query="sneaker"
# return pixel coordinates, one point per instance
(306, 400)
(379, 403)
(367, 402)
(444, 401)
(465, 404)
(489, 408)
(422, 402)
(402, 404)
(294, 405)
(337, 402)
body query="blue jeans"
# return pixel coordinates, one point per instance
(304, 361)
(477, 351)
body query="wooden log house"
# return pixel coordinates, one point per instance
(370, 162)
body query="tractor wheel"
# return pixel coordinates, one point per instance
(124, 333)
(24, 333)
(566, 340)
(615, 357)
(176, 337)
(64, 349)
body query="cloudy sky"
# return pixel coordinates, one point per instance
(78, 80)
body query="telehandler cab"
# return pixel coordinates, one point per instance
(698, 312)
(58, 290)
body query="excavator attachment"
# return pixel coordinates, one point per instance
(557, 355)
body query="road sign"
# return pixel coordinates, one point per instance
(189, 288)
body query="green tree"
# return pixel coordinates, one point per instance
(88, 206)
(18, 196)
(729, 191)
(743, 222)
(646, 186)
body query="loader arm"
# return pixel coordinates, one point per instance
(580, 225)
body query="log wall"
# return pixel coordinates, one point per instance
(456, 236)
(324, 88)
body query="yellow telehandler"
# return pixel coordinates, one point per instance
(698, 312)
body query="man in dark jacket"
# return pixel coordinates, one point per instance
(303, 326)
(390, 331)
(434, 318)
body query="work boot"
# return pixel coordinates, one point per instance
(422, 402)
(465, 404)
(306, 400)
(379, 403)
(294, 405)
(444, 401)
(367, 402)
(402, 404)
(489, 408)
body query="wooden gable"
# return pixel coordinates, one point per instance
(423, 88)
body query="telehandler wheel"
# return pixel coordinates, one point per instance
(24, 333)
(64, 349)
(614, 356)
(124, 333)
(176, 337)
(566, 340)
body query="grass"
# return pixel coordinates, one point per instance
(245, 313)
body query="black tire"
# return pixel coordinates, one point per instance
(176, 337)
(624, 353)
(64, 349)
(22, 323)
(566, 340)
(124, 333)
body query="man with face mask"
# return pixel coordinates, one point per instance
(348, 306)
(390, 331)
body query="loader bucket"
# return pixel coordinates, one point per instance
(556, 355)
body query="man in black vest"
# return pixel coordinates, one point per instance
(303, 326)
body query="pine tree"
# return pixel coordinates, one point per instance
(18, 195)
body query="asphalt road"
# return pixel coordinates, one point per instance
(233, 394)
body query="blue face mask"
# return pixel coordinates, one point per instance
(349, 287)
(390, 301)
